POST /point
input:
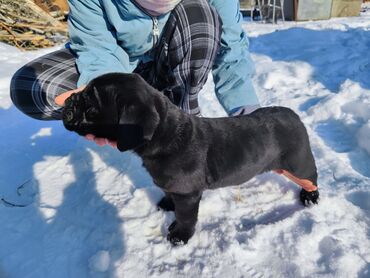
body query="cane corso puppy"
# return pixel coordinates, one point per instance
(186, 155)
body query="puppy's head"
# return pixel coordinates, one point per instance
(116, 106)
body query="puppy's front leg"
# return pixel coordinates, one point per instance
(186, 211)
(166, 203)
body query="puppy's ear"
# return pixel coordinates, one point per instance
(150, 123)
(130, 136)
(136, 128)
(145, 116)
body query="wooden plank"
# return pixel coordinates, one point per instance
(343, 8)
(41, 13)
(246, 4)
(314, 9)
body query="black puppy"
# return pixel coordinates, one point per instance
(186, 155)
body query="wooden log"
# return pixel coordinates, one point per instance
(23, 37)
(11, 34)
(27, 26)
(62, 4)
(41, 13)
(44, 28)
(52, 6)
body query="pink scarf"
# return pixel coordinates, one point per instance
(158, 7)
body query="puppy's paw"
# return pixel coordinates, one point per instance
(179, 235)
(166, 204)
(307, 197)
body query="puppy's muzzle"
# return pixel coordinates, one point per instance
(73, 112)
(78, 115)
(81, 115)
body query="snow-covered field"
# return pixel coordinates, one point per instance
(91, 211)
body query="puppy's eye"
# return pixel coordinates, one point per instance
(68, 115)
(91, 113)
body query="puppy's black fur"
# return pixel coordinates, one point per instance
(184, 154)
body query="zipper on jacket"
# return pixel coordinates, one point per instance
(155, 29)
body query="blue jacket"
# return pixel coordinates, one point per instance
(115, 35)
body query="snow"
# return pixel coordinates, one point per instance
(89, 211)
(100, 261)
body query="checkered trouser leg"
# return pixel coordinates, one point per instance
(35, 85)
(184, 57)
(186, 52)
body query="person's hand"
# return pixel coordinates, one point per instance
(62, 97)
(99, 141)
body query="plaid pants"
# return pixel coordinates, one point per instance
(183, 58)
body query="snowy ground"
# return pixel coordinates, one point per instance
(90, 211)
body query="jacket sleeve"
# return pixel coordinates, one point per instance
(94, 42)
(233, 68)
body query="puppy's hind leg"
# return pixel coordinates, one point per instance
(186, 212)
(300, 168)
(309, 192)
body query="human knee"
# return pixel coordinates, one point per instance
(21, 86)
(16, 94)
(201, 19)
